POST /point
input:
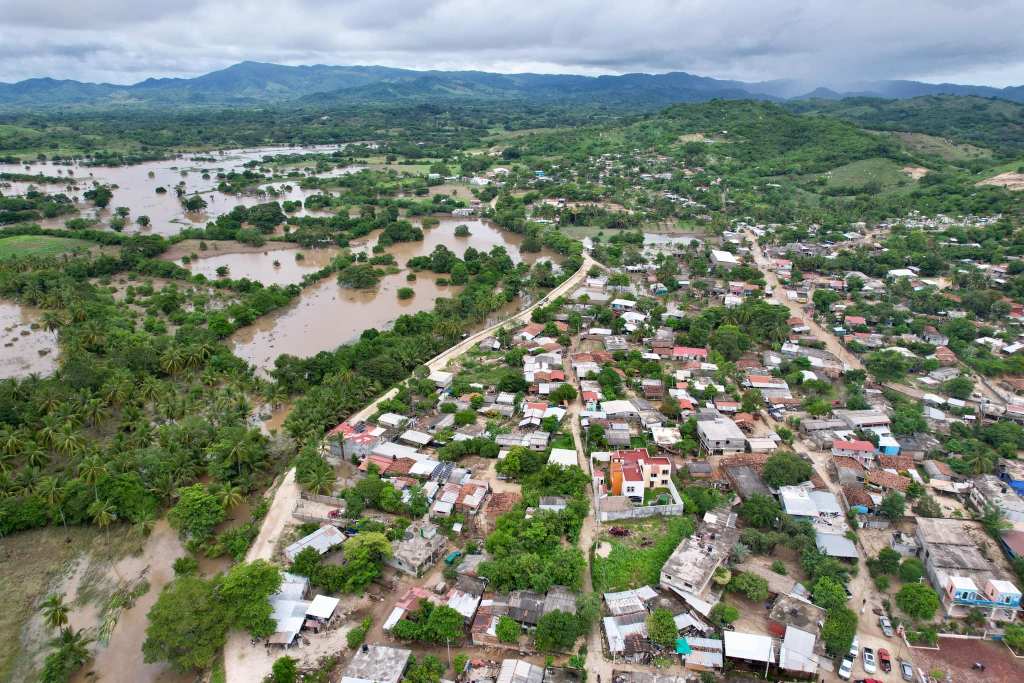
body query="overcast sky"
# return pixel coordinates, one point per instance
(824, 41)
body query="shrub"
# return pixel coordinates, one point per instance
(918, 601)
(779, 568)
(406, 293)
(284, 670)
(508, 630)
(357, 635)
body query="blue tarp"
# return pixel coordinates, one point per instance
(682, 647)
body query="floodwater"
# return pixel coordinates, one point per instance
(121, 661)
(136, 186)
(26, 349)
(260, 266)
(327, 315)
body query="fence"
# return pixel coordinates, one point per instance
(641, 511)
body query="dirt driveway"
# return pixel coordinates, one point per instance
(956, 656)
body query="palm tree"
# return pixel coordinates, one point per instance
(92, 470)
(95, 411)
(69, 441)
(35, 456)
(53, 321)
(50, 429)
(55, 611)
(229, 495)
(994, 520)
(12, 441)
(319, 480)
(73, 646)
(103, 513)
(172, 360)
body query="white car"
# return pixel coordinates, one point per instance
(870, 664)
(854, 648)
(846, 668)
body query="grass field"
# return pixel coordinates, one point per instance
(854, 176)
(40, 245)
(932, 145)
(636, 560)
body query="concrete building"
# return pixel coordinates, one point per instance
(721, 436)
(377, 664)
(689, 569)
(633, 471)
(419, 549)
(989, 490)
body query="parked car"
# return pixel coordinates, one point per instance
(906, 670)
(867, 680)
(885, 625)
(884, 660)
(868, 659)
(846, 668)
(854, 648)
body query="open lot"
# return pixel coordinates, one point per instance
(956, 656)
(635, 560)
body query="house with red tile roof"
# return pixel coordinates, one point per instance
(900, 463)
(858, 449)
(689, 353)
(887, 481)
(854, 320)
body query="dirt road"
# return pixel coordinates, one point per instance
(242, 662)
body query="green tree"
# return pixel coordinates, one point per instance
(893, 506)
(751, 585)
(994, 521)
(245, 592)
(1013, 635)
(829, 593)
(723, 613)
(508, 629)
(556, 632)
(196, 513)
(959, 387)
(187, 625)
(839, 629)
(752, 401)
(911, 570)
(285, 670)
(661, 628)
(786, 469)
(918, 601)
(760, 511)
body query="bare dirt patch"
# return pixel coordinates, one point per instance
(915, 172)
(1010, 180)
(956, 657)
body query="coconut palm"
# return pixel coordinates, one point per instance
(319, 480)
(95, 411)
(35, 456)
(73, 646)
(230, 495)
(172, 360)
(12, 441)
(92, 470)
(68, 440)
(103, 513)
(55, 611)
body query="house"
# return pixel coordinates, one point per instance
(754, 649)
(861, 451)
(1000, 599)
(689, 353)
(689, 568)
(863, 419)
(322, 540)
(633, 471)
(723, 259)
(519, 671)
(354, 441)
(934, 337)
(796, 654)
(721, 436)
(288, 608)
(886, 481)
(563, 457)
(945, 356)
(377, 664)
(623, 305)
(418, 550)
(990, 491)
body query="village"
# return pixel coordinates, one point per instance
(712, 460)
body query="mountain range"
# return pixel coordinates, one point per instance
(260, 83)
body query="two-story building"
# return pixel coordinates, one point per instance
(633, 471)
(721, 436)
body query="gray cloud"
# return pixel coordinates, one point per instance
(815, 40)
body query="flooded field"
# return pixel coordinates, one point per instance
(26, 349)
(272, 267)
(137, 184)
(327, 316)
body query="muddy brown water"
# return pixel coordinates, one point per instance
(137, 190)
(260, 266)
(121, 661)
(22, 343)
(327, 315)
